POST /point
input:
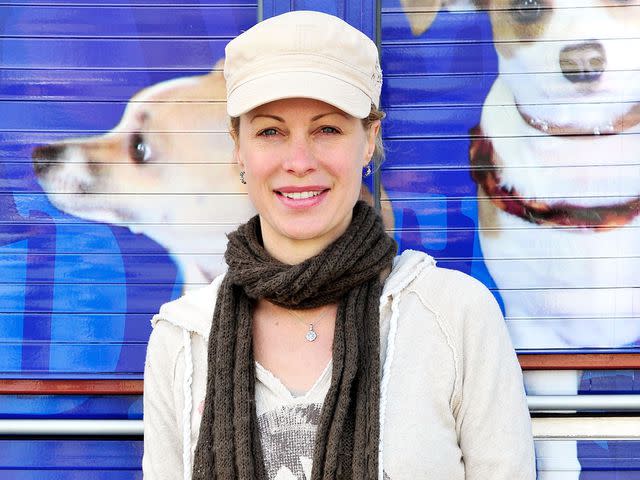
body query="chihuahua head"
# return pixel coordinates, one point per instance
(172, 138)
(567, 62)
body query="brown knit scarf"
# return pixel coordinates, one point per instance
(347, 272)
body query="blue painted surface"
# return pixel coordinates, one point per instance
(143, 54)
(126, 21)
(120, 459)
(59, 454)
(613, 460)
(77, 296)
(144, 3)
(111, 407)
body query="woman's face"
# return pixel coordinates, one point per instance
(303, 163)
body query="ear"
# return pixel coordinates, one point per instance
(372, 135)
(422, 13)
(236, 145)
(236, 155)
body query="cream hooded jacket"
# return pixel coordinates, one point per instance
(452, 404)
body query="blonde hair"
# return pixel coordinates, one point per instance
(375, 114)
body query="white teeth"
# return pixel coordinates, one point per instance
(301, 195)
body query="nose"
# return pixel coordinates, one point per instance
(301, 158)
(583, 62)
(43, 155)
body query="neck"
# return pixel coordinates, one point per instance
(292, 252)
(305, 315)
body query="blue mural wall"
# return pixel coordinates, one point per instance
(102, 215)
(77, 295)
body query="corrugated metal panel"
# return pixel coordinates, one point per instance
(440, 63)
(77, 295)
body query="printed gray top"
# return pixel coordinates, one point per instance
(288, 424)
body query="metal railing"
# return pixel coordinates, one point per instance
(564, 426)
(71, 427)
(581, 403)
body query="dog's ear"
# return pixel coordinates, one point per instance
(422, 13)
(212, 84)
(216, 73)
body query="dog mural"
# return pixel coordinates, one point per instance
(570, 176)
(555, 160)
(555, 157)
(160, 172)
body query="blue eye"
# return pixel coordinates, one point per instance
(268, 132)
(328, 130)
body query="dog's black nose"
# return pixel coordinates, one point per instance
(43, 155)
(584, 62)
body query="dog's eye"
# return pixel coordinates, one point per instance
(140, 150)
(526, 11)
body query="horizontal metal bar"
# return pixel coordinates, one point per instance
(556, 429)
(628, 427)
(579, 361)
(579, 403)
(70, 387)
(560, 429)
(70, 427)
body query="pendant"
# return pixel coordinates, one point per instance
(311, 334)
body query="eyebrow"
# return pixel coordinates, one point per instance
(317, 117)
(337, 112)
(266, 116)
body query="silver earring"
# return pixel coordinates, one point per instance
(367, 170)
(242, 180)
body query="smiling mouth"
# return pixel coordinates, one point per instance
(301, 195)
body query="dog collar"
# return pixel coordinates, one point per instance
(485, 172)
(625, 122)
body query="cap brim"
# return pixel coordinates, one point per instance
(280, 85)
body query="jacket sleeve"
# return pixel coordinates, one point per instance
(162, 459)
(493, 420)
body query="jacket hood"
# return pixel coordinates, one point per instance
(194, 310)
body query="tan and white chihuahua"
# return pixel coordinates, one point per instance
(166, 170)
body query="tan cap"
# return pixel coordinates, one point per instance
(303, 54)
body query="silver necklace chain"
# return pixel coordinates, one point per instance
(311, 334)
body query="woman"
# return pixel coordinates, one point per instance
(320, 355)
